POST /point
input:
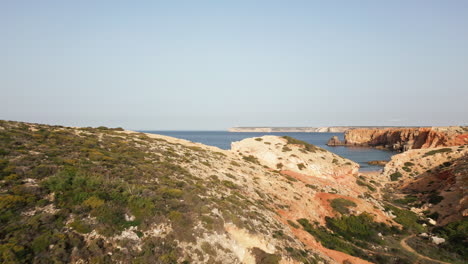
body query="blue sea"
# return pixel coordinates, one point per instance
(223, 139)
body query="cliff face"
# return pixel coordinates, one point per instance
(402, 139)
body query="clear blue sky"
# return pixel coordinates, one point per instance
(211, 65)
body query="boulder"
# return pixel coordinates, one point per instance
(335, 141)
(437, 240)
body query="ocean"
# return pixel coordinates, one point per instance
(223, 139)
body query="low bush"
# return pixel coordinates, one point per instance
(433, 152)
(395, 176)
(307, 146)
(406, 218)
(341, 205)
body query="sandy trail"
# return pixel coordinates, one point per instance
(410, 249)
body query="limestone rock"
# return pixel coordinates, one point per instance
(437, 240)
(335, 141)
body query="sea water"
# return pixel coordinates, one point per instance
(223, 140)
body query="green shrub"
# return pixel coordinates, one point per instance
(433, 152)
(406, 218)
(291, 223)
(265, 258)
(251, 158)
(395, 176)
(301, 166)
(286, 149)
(41, 243)
(455, 234)
(341, 205)
(406, 169)
(362, 183)
(81, 227)
(360, 227)
(328, 239)
(307, 146)
(435, 199)
(407, 200)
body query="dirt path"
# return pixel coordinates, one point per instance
(410, 249)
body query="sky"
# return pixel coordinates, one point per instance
(211, 65)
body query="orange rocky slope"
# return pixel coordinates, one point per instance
(437, 177)
(402, 139)
(316, 177)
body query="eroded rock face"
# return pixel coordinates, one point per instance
(403, 139)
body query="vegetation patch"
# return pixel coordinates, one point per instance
(309, 147)
(395, 176)
(406, 218)
(407, 200)
(341, 205)
(251, 159)
(301, 166)
(363, 183)
(264, 257)
(435, 198)
(329, 240)
(433, 152)
(360, 227)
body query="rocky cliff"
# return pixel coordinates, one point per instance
(402, 139)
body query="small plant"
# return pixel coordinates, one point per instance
(406, 169)
(433, 152)
(307, 146)
(251, 158)
(286, 148)
(435, 199)
(407, 200)
(291, 223)
(259, 139)
(395, 176)
(341, 205)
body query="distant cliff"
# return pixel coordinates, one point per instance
(332, 129)
(402, 139)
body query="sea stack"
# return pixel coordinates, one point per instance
(335, 141)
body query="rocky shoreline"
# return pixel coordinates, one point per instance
(403, 139)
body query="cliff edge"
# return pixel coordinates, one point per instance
(402, 139)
